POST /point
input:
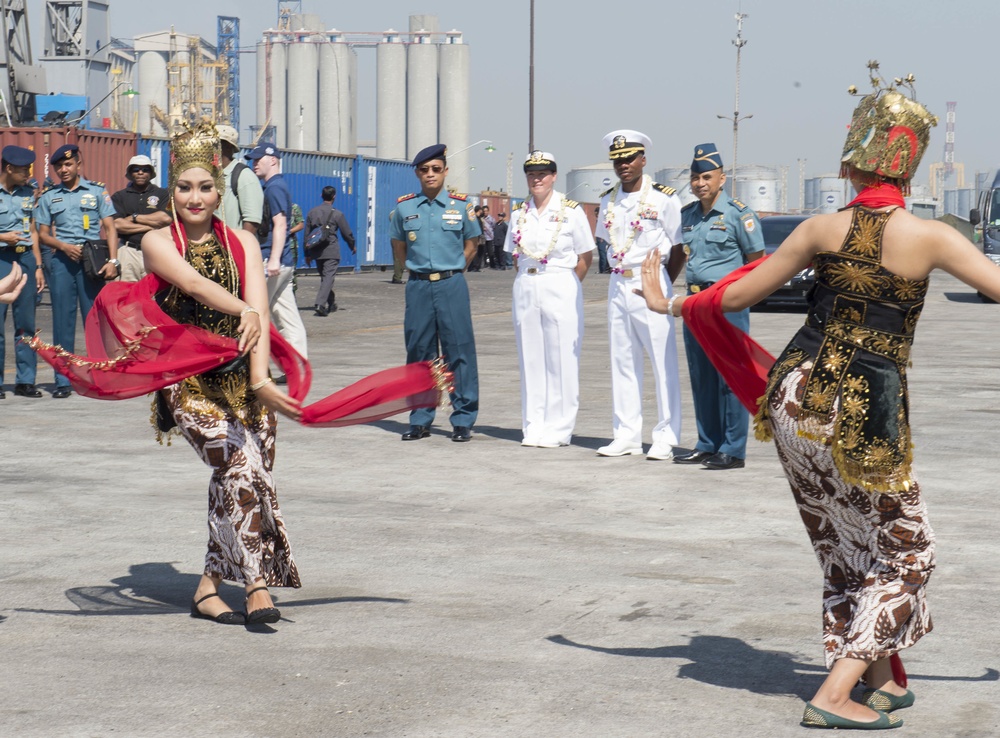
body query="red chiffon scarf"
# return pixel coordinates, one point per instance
(134, 348)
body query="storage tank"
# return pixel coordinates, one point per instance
(421, 94)
(958, 202)
(272, 77)
(757, 187)
(152, 90)
(831, 193)
(680, 179)
(390, 90)
(303, 94)
(337, 97)
(584, 184)
(453, 105)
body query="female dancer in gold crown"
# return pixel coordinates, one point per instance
(836, 399)
(227, 415)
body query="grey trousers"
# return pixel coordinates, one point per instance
(327, 273)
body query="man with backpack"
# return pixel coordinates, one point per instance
(243, 201)
(323, 223)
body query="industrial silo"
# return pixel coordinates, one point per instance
(390, 112)
(453, 106)
(584, 184)
(758, 187)
(831, 193)
(337, 97)
(421, 94)
(152, 91)
(303, 92)
(272, 98)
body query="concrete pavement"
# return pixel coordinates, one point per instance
(478, 589)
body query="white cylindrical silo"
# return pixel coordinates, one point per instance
(584, 184)
(831, 193)
(277, 71)
(421, 95)
(453, 106)
(758, 187)
(152, 91)
(303, 95)
(390, 105)
(262, 114)
(337, 97)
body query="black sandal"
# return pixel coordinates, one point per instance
(264, 615)
(223, 618)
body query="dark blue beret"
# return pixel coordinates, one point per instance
(437, 151)
(66, 151)
(706, 158)
(18, 156)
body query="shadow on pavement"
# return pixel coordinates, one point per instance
(157, 588)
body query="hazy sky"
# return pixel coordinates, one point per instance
(666, 68)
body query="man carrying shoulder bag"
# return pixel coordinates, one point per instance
(323, 223)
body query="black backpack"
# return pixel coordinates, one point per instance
(265, 220)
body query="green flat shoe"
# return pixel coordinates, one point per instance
(886, 702)
(817, 718)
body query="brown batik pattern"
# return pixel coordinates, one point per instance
(246, 532)
(876, 550)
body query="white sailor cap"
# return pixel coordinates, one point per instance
(626, 143)
(540, 161)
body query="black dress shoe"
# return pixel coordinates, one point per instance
(26, 390)
(280, 379)
(417, 432)
(333, 308)
(62, 393)
(461, 434)
(396, 281)
(723, 461)
(322, 311)
(3, 395)
(223, 618)
(693, 456)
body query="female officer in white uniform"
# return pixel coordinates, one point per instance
(553, 246)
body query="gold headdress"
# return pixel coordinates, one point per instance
(196, 146)
(889, 131)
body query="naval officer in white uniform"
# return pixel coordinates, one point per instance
(553, 247)
(638, 215)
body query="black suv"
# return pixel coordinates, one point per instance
(776, 229)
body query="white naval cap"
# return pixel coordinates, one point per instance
(540, 161)
(625, 143)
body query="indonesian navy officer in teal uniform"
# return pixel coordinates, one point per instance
(720, 234)
(437, 234)
(67, 214)
(19, 245)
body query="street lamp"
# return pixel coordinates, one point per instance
(481, 141)
(739, 42)
(458, 179)
(582, 184)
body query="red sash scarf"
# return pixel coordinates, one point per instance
(134, 348)
(879, 196)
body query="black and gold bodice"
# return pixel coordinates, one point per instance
(228, 385)
(858, 336)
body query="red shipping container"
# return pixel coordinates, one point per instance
(105, 155)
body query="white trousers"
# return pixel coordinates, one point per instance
(633, 329)
(285, 311)
(548, 325)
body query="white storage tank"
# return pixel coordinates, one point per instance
(831, 193)
(272, 65)
(337, 97)
(757, 187)
(453, 106)
(583, 185)
(421, 94)
(303, 93)
(152, 91)
(390, 111)
(680, 179)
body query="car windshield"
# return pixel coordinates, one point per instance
(777, 231)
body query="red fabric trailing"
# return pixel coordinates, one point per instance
(879, 196)
(741, 361)
(134, 348)
(898, 672)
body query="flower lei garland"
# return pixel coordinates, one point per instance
(540, 256)
(618, 254)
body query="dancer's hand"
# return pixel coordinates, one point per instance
(12, 284)
(249, 331)
(276, 400)
(651, 291)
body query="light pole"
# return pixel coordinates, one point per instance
(531, 79)
(739, 42)
(459, 179)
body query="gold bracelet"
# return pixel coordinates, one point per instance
(249, 309)
(256, 386)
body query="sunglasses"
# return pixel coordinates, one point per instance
(145, 170)
(436, 168)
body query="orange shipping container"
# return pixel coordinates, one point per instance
(105, 155)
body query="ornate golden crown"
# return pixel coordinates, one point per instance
(196, 146)
(889, 131)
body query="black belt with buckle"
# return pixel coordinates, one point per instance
(432, 276)
(18, 249)
(699, 287)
